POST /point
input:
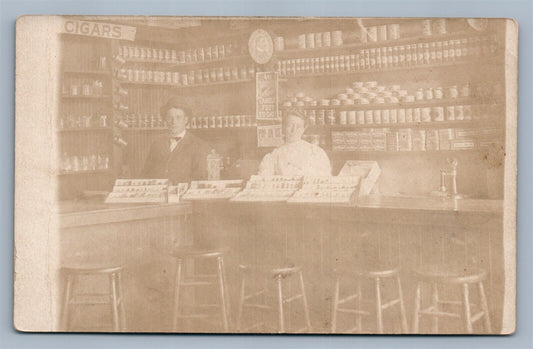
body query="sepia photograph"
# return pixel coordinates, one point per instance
(330, 175)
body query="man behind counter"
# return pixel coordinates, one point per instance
(179, 156)
(296, 156)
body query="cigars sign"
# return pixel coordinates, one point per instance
(98, 29)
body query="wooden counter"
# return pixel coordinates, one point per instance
(406, 231)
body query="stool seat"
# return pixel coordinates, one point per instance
(280, 271)
(450, 274)
(96, 268)
(194, 252)
(377, 271)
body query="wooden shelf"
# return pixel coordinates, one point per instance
(413, 125)
(464, 61)
(103, 171)
(366, 153)
(403, 105)
(175, 86)
(88, 72)
(422, 39)
(215, 129)
(85, 129)
(177, 65)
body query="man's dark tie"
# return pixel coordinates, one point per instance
(177, 139)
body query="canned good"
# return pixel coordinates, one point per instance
(352, 117)
(419, 95)
(401, 116)
(425, 114)
(426, 27)
(321, 117)
(393, 116)
(212, 122)
(191, 78)
(343, 117)
(459, 112)
(465, 90)
(452, 92)
(382, 33)
(312, 118)
(416, 115)
(318, 40)
(377, 116)
(279, 43)
(393, 31)
(467, 112)
(408, 115)
(429, 94)
(220, 122)
(440, 25)
(450, 113)
(372, 33)
(310, 40)
(385, 116)
(301, 41)
(231, 121)
(360, 117)
(326, 39)
(226, 120)
(336, 38)
(331, 116)
(205, 121)
(168, 77)
(438, 113)
(437, 93)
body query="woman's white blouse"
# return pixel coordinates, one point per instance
(297, 158)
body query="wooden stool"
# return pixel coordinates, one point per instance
(197, 280)
(378, 275)
(442, 274)
(113, 297)
(279, 275)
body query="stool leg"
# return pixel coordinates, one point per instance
(335, 305)
(402, 306)
(177, 295)
(116, 326)
(66, 304)
(122, 313)
(241, 302)
(378, 306)
(304, 299)
(466, 300)
(222, 294)
(280, 304)
(359, 317)
(416, 317)
(435, 304)
(485, 307)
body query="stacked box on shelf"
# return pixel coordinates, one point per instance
(330, 190)
(209, 190)
(139, 191)
(269, 189)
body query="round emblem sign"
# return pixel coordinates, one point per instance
(260, 46)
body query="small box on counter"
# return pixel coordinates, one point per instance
(210, 190)
(139, 191)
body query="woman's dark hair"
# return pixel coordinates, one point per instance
(176, 104)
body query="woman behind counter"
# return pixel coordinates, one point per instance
(296, 157)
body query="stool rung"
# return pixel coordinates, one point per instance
(431, 312)
(390, 304)
(260, 306)
(347, 299)
(196, 316)
(293, 298)
(451, 302)
(352, 311)
(478, 316)
(252, 295)
(196, 283)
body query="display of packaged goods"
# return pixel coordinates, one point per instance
(405, 141)
(330, 190)
(209, 190)
(432, 140)
(445, 137)
(175, 192)
(418, 139)
(222, 121)
(139, 191)
(80, 163)
(395, 56)
(462, 144)
(271, 188)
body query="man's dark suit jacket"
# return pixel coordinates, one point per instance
(187, 162)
